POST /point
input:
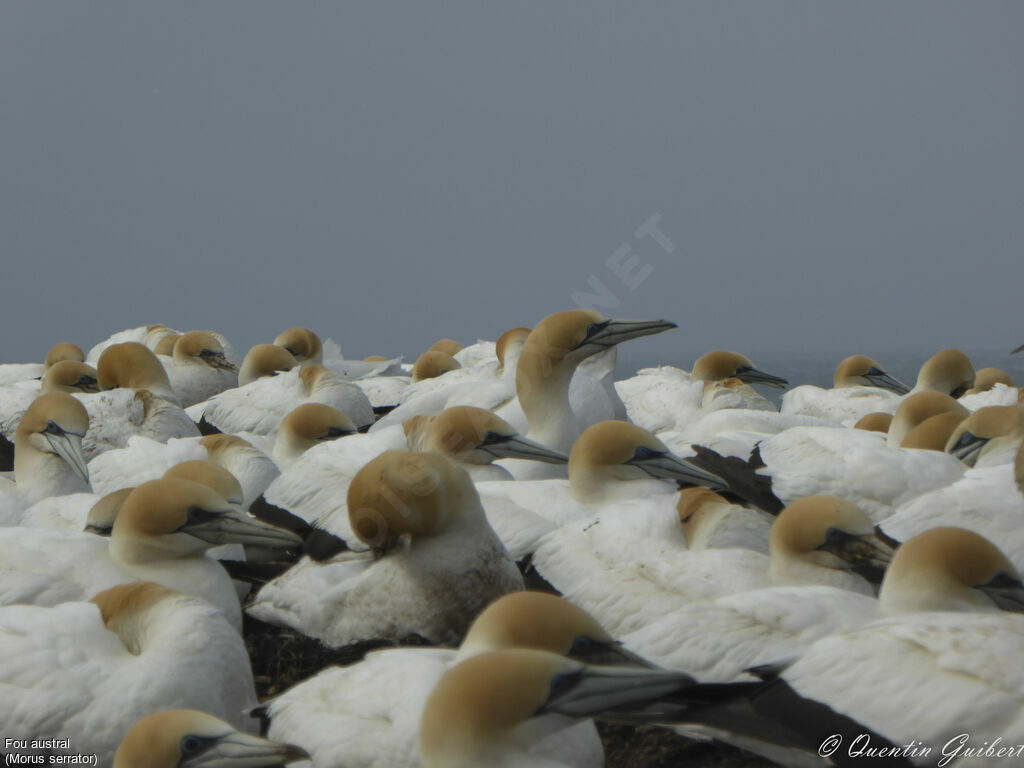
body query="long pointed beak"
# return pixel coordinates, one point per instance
(968, 447)
(1005, 592)
(87, 384)
(240, 750)
(1018, 349)
(754, 376)
(611, 654)
(668, 467)
(883, 380)
(595, 690)
(612, 332)
(69, 447)
(516, 447)
(236, 526)
(868, 555)
(217, 360)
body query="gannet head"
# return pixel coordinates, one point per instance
(950, 569)
(264, 360)
(610, 452)
(933, 433)
(104, 512)
(187, 738)
(828, 532)
(948, 371)
(303, 344)
(719, 364)
(986, 429)
(432, 364)
(874, 422)
(134, 366)
(165, 345)
(489, 709)
(404, 493)
(52, 428)
(544, 622)
(211, 475)
(508, 346)
(986, 378)
(202, 347)
(917, 407)
(576, 334)
(308, 425)
(63, 351)
(222, 443)
(476, 436)
(70, 376)
(170, 518)
(694, 506)
(312, 375)
(448, 346)
(862, 371)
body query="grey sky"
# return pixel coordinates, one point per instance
(834, 176)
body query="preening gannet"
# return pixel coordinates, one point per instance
(308, 425)
(948, 371)
(432, 364)
(70, 376)
(859, 386)
(448, 346)
(183, 738)
(989, 434)
(131, 365)
(933, 433)
(265, 360)
(709, 521)
(304, 345)
(918, 407)
(61, 352)
(876, 421)
(161, 533)
(367, 715)
(986, 378)
(88, 670)
(434, 561)
(199, 368)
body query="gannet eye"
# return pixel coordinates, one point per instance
(643, 453)
(199, 515)
(490, 438)
(872, 371)
(742, 369)
(595, 327)
(581, 645)
(86, 381)
(836, 536)
(53, 429)
(562, 683)
(191, 745)
(333, 432)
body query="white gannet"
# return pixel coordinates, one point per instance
(367, 715)
(434, 561)
(915, 409)
(161, 533)
(315, 487)
(303, 344)
(710, 521)
(448, 346)
(948, 371)
(736, 431)
(86, 671)
(308, 425)
(115, 417)
(611, 462)
(990, 435)
(63, 376)
(859, 386)
(432, 364)
(626, 576)
(933, 433)
(61, 352)
(48, 455)
(986, 378)
(188, 738)
(264, 360)
(259, 406)
(497, 709)
(876, 421)
(199, 368)
(131, 365)
(14, 374)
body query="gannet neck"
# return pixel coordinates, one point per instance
(432, 364)
(950, 569)
(818, 534)
(508, 347)
(63, 351)
(448, 346)
(875, 422)
(210, 474)
(133, 366)
(304, 345)
(48, 455)
(70, 376)
(308, 425)
(862, 371)
(948, 371)
(933, 433)
(696, 508)
(136, 613)
(313, 376)
(917, 407)
(987, 429)
(986, 378)
(264, 360)
(187, 738)
(104, 512)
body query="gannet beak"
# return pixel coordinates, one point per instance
(595, 690)
(516, 447)
(1018, 349)
(217, 360)
(609, 654)
(753, 376)
(883, 380)
(608, 333)
(968, 447)
(868, 555)
(87, 384)
(1006, 592)
(236, 526)
(68, 446)
(665, 466)
(240, 750)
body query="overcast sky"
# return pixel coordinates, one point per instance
(823, 177)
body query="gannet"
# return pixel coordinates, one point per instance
(434, 561)
(990, 435)
(265, 360)
(199, 368)
(86, 671)
(117, 416)
(933, 433)
(183, 738)
(315, 487)
(304, 345)
(859, 386)
(161, 533)
(308, 425)
(131, 365)
(64, 376)
(48, 455)
(448, 346)
(64, 351)
(367, 715)
(710, 521)
(14, 374)
(432, 364)
(948, 371)
(495, 709)
(259, 406)
(625, 576)
(918, 407)
(876, 421)
(70, 376)
(986, 378)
